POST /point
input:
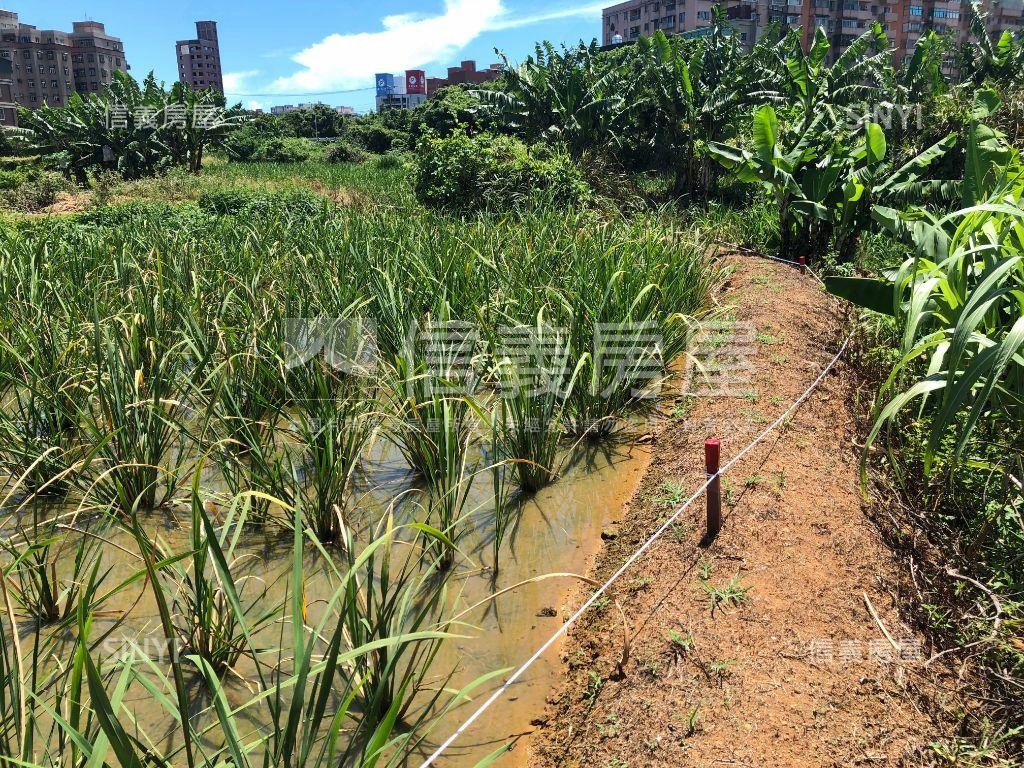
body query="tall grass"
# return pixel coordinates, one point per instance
(145, 365)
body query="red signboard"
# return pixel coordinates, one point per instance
(415, 81)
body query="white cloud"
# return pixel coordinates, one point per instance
(407, 40)
(339, 62)
(234, 82)
(591, 10)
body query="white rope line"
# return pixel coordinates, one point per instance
(748, 251)
(633, 558)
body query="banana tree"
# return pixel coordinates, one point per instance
(101, 131)
(777, 163)
(983, 59)
(559, 96)
(203, 123)
(132, 130)
(699, 89)
(818, 89)
(867, 178)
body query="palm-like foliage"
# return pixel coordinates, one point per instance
(558, 96)
(102, 131)
(983, 59)
(817, 90)
(920, 77)
(958, 302)
(129, 129)
(699, 90)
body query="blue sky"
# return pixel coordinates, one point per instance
(303, 50)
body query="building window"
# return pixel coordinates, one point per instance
(916, 10)
(634, 31)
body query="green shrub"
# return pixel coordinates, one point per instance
(373, 137)
(466, 173)
(344, 152)
(182, 216)
(38, 190)
(12, 179)
(245, 202)
(281, 150)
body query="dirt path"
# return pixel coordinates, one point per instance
(793, 670)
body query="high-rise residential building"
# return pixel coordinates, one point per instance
(8, 110)
(49, 65)
(199, 59)
(904, 21)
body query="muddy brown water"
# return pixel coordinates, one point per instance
(558, 531)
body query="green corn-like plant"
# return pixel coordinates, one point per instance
(957, 303)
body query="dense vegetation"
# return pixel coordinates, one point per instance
(147, 350)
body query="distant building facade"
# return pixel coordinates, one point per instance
(8, 109)
(401, 93)
(199, 64)
(48, 65)
(464, 74)
(904, 21)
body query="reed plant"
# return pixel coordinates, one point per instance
(534, 388)
(335, 421)
(205, 622)
(43, 390)
(51, 569)
(134, 418)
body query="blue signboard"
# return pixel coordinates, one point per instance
(385, 84)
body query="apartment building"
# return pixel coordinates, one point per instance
(904, 21)
(8, 109)
(48, 65)
(633, 19)
(464, 74)
(199, 59)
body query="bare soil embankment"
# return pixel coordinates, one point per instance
(760, 649)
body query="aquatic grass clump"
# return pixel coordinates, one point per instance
(178, 373)
(42, 392)
(388, 594)
(52, 569)
(629, 309)
(533, 390)
(334, 423)
(206, 624)
(349, 685)
(134, 417)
